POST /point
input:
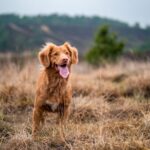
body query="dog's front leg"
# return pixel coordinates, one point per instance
(37, 117)
(63, 112)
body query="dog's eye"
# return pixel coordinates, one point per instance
(66, 53)
(55, 54)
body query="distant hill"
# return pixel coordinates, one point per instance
(18, 34)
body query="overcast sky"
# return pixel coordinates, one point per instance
(130, 11)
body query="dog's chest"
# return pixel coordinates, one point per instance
(56, 90)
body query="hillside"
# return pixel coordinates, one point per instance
(29, 33)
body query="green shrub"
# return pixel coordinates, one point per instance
(106, 47)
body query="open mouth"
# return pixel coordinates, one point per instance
(63, 70)
(64, 65)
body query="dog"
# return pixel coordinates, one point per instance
(53, 89)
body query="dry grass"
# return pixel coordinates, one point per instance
(110, 109)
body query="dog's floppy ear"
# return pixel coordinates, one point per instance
(44, 54)
(74, 53)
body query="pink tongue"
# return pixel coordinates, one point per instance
(63, 71)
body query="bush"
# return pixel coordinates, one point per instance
(106, 47)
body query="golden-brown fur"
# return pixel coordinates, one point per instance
(53, 92)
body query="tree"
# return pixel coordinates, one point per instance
(106, 47)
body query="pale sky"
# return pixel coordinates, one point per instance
(130, 11)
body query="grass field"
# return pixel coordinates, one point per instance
(110, 108)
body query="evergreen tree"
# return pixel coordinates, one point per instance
(106, 47)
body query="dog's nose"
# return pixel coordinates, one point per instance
(65, 60)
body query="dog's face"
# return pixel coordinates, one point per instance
(59, 57)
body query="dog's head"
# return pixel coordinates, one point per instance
(59, 57)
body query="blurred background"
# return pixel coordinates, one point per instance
(26, 25)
